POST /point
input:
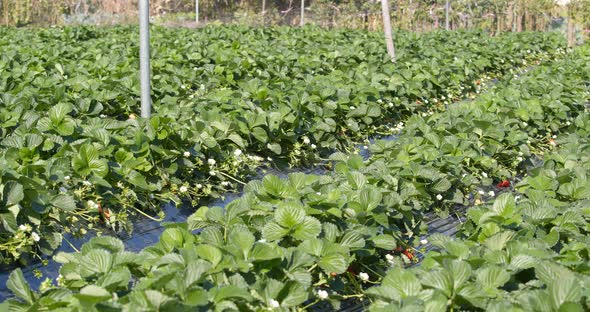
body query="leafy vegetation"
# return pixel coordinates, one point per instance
(293, 243)
(74, 157)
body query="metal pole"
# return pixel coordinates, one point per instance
(144, 57)
(302, 12)
(197, 11)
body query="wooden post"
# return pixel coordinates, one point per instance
(447, 8)
(197, 11)
(387, 29)
(302, 22)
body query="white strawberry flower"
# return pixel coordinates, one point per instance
(183, 189)
(519, 159)
(483, 174)
(186, 154)
(554, 136)
(322, 294)
(351, 107)
(273, 304)
(22, 227)
(199, 186)
(481, 192)
(225, 183)
(87, 183)
(212, 173)
(365, 147)
(306, 140)
(211, 162)
(237, 152)
(568, 123)
(364, 276)
(35, 236)
(313, 146)
(439, 197)
(423, 241)
(67, 178)
(491, 193)
(91, 204)
(390, 105)
(389, 258)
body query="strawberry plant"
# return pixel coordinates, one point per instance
(310, 239)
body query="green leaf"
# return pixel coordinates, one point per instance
(440, 280)
(58, 112)
(273, 231)
(209, 253)
(289, 215)
(356, 179)
(491, 277)
(172, 238)
(12, 193)
(17, 284)
(296, 295)
(274, 147)
(96, 261)
(352, 240)
(404, 281)
(310, 228)
(242, 239)
(441, 186)
(194, 272)
(504, 205)
(460, 272)
(333, 263)
(64, 202)
(230, 291)
(384, 241)
(565, 289)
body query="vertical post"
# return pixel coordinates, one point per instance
(447, 8)
(263, 10)
(197, 11)
(387, 29)
(302, 22)
(144, 57)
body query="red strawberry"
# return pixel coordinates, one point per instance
(351, 271)
(105, 213)
(408, 253)
(503, 184)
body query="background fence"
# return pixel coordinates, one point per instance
(415, 15)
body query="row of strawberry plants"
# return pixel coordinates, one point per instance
(296, 242)
(73, 154)
(527, 250)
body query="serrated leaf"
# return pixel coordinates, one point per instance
(17, 284)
